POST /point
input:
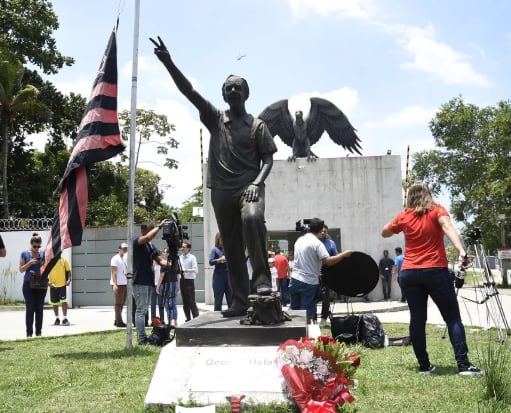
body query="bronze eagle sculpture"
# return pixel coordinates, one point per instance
(302, 133)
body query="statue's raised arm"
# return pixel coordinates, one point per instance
(182, 83)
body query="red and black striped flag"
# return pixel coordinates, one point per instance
(98, 139)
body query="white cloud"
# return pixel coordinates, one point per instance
(81, 85)
(427, 54)
(410, 116)
(358, 9)
(437, 58)
(397, 131)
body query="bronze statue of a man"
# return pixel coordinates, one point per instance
(240, 158)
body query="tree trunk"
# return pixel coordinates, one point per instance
(4, 153)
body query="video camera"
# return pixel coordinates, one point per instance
(174, 233)
(458, 275)
(473, 235)
(303, 228)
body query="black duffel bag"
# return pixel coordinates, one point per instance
(346, 329)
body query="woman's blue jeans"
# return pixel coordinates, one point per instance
(34, 303)
(437, 283)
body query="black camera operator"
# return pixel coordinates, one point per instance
(144, 253)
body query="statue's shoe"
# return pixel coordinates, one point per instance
(264, 290)
(234, 312)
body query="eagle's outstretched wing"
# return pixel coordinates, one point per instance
(279, 121)
(325, 116)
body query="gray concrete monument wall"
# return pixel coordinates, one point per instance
(356, 194)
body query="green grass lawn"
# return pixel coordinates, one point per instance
(94, 373)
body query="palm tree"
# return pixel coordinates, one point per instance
(16, 99)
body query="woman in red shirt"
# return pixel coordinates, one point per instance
(424, 273)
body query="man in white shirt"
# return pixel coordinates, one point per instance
(310, 253)
(119, 283)
(187, 284)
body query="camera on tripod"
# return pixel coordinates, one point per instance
(303, 228)
(458, 276)
(174, 233)
(473, 235)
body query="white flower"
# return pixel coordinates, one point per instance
(306, 356)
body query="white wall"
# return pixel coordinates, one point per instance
(356, 194)
(11, 280)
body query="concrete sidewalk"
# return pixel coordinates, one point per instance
(94, 319)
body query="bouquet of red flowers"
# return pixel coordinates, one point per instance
(318, 373)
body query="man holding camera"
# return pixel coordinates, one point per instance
(310, 253)
(144, 252)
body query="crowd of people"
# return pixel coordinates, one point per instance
(158, 278)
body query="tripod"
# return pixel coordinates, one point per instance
(486, 290)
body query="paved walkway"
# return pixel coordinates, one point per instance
(93, 319)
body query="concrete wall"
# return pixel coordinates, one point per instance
(90, 263)
(358, 195)
(11, 280)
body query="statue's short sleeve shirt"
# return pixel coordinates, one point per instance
(236, 149)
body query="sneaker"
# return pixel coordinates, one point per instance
(469, 370)
(120, 324)
(427, 370)
(322, 323)
(65, 322)
(57, 322)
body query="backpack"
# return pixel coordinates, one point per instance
(373, 335)
(161, 334)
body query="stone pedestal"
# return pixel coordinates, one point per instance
(212, 329)
(214, 357)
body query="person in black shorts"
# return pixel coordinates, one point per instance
(59, 279)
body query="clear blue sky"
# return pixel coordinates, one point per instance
(389, 65)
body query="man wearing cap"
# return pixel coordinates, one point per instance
(119, 283)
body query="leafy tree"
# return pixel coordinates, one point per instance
(196, 200)
(472, 161)
(26, 32)
(17, 99)
(108, 195)
(149, 124)
(66, 112)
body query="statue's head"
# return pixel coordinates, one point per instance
(299, 117)
(235, 85)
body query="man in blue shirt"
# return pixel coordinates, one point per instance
(144, 253)
(332, 250)
(398, 262)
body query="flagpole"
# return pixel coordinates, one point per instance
(131, 190)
